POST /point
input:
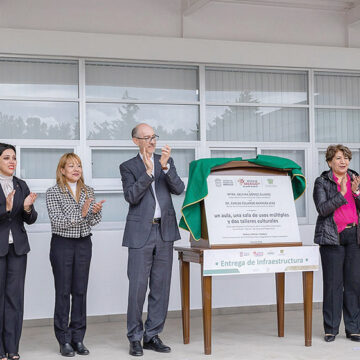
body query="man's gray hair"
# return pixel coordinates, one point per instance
(134, 131)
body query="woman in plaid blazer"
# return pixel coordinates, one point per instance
(72, 211)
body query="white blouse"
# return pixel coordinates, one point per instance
(7, 186)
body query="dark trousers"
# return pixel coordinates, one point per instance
(341, 281)
(12, 280)
(151, 264)
(70, 261)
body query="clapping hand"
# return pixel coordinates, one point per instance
(86, 207)
(147, 161)
(165, 155)
(343, 185)
(355, 183)
(10, 201)
(29, 201)
(97, 206)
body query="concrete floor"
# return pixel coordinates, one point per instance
(240, 336)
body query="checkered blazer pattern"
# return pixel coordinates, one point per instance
(65, 213)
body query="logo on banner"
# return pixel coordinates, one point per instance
(270, 182)
(246, 183)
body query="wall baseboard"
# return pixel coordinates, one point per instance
(177, 313)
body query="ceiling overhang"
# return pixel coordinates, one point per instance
(191, 6)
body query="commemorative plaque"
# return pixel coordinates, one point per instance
(250, 209)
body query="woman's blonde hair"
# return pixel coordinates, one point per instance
(61, 180)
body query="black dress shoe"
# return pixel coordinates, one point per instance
(80, 348)
(157, 345)
(353, 337)
(13, 356)
(67, 350)
(136, 348)
(329, 337)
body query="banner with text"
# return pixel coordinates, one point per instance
(260, 260)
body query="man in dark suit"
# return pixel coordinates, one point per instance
(151, 228)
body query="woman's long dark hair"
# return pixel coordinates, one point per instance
(4, 147)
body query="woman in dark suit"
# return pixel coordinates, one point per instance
(336, 197)
(72, 211)
(16, 207)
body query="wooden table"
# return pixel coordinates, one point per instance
(195, 255)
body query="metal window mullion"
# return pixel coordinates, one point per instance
(337, 107)
(258, 105)
(311, 165)
(139, 102)
(254, 68)
(337, 72)
(47, 146)
(203, 148)
(128, 143)
(312, 125)
(267, 145)
(248, 148)
(83, 151)
(42, 143)
(307, 171)
(162, 64)
(323, 146)
(37, 99)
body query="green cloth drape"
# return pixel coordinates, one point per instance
(197, 189)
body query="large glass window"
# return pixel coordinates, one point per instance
(337, 125)
(141, 82)
(337, 107)
(299, 157)
(40, 163)
(109, 168)
(120, 96)
(41, 209)
(256, 86)
(38, 78)
(39, 99)
(230, 123)
(39, 120)
(116, 120)
(339, 89)
(116, 207)
(240, 105)
(229, 153)
(240, 112)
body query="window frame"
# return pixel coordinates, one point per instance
(202, 147)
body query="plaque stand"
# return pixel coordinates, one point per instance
(195, 254)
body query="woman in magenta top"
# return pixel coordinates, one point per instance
(336, 197)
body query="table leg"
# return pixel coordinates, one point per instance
(280, 301)
(185, 297)
(308, 277)
(206, 302)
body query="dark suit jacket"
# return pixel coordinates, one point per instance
(139, 194)
(14, 220)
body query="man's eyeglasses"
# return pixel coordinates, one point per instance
(148, 138)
